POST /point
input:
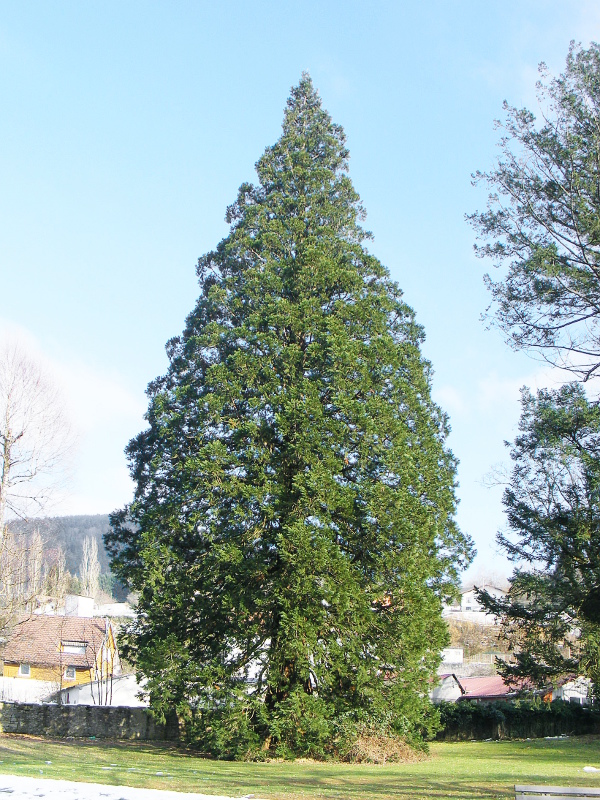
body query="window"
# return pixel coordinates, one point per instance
(74, 647)
(70, 674)
(24, 670)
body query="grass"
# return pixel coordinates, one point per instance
(454, 771)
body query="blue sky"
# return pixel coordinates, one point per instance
(126, 128)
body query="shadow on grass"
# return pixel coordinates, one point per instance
(455, 771)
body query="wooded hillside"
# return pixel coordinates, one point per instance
(69, 533)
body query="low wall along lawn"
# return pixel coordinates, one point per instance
(84, 722)
(460, 721)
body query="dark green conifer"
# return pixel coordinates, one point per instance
(292, 533)
(551, 615)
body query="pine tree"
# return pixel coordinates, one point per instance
(543, 219)
(292, 534)
(551, 615)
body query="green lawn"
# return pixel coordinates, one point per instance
(458, 771)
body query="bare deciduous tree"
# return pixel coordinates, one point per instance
(21, 562)
(90, 567)
(103, 663)
(13, 572)
(35, 563)
(35, 437)
(35, 434)
(56, 577)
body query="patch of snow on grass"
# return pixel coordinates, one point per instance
(20, 788)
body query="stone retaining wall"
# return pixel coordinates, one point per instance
(84, 722)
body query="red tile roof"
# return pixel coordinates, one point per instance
(484, 686)
(37, 641)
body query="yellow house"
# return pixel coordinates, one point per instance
(62, 651)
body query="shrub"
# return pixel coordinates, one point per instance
(519, 719)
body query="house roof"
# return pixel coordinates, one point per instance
(38, 641)
(470, 587)
(484, 686)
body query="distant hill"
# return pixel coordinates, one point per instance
(69, 533)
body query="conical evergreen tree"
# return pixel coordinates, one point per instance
(292, 533)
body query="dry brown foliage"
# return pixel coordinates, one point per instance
(377, 749)
(475, 638)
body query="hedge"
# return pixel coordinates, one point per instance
(520, 719)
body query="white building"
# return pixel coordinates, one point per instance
(578, 690)
(469, 609)
(112, 610)
(124, 690)
(79, 606)
(452, 655)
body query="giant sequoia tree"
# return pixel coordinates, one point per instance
(292, 533)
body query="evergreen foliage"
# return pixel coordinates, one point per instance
(543, 219)
(292, 533)
(517, 719)
(551, 614)
(543, 222)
